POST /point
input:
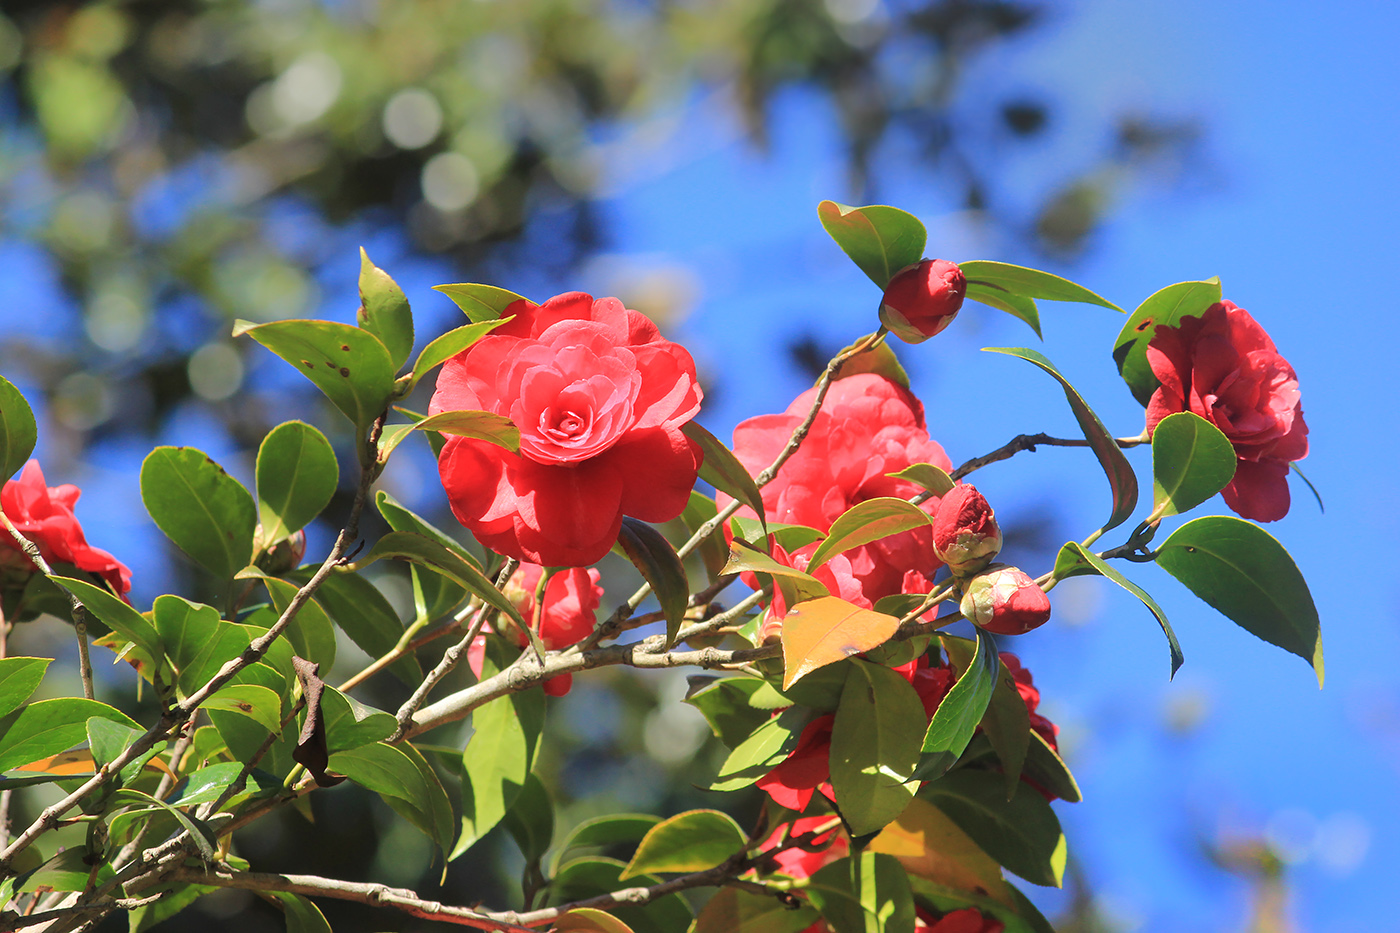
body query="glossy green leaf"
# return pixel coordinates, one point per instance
(530, 820)
(589, 877)
(66, 871)
(1014, 289)
(206, 512)
(18, 433)
(197, 641)
(479, 302)
(1007, 726)
(957, 717)
(1241, 570)
(297, 475)
(384, 311)
(820, 691)
(1164, 307)
(428, 807)
(714, 550)
(736, 706)
(875, 746)
(180, 896)
(931, 478)
(931, 846)
(733, 910)
(880, 239)
(722, 470)
(695, 840)
(606, 831)
(208, 784)
(865, 892)
(1075, 560)
(19, 677)
(350, 724)
(434, 594)
(480, 425)
(310, 633)
(351, 366)
(879, 359)
(764, 749)
(826, 630)
(789, 537)
(1045, 766)
(500, 753)
(444, 348)
(590, 920)
(1022, 833)
(1191, 461)
(804, 585)
(301, 915)
(1121, 478)
(865, 522)
(259, 704)
(382, 768)
(421, 550)
(47, 727)
(108, 739)
(358, 609)
(116, 614)
(244, 736)
(656, 560)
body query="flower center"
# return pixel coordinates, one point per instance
(564, 426)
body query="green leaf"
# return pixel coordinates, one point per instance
(18, 433)
(1241, 570)
(1121, 478)
(880, 239)
(656, 560)
(208, 784)
(19, 677)
(589, 877)
(421, 550)
(350, 724)
(116, 614)
(865, 522)
(197, 641)
(1191, 461)
(934, 479)
(107, 740)
(244, 736)
(1045, 766)
(722, 470)
(865, 892)
(1007, 726)
(931, 846)
(733, 910)
(200, 833)
(351, 366)
(789, 537)
(481, 425)
(1165, 307)
(296, 477)
(434, 594)
(826, 630)
(589, 920)
(500, 753)
(384, 311)
(358, 609)
(428, 807)
(310, 633)
(875, 746)
(1076, 560)
(302, 916)
(479, 302)
(714, 550)
(763, 750)
(382, 768)
(606, 831)
(879, 359)
(182, 895)
(803, 585)
(1022, 833)
(445, 347)
(736, 706)
(259, 704)
(530, 819)
(66, 871)
(1014, 288)
(47, 727)
(206, 512)
(695, 840)
(957, 717)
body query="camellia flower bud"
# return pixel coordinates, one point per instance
(966, 535)
(922, 299)
(1005, 601)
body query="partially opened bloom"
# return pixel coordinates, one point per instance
(1005, 600)
(599, 397)
(1223, 367)
(966, 535)
(44, 515)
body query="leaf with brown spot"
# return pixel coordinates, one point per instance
(311, 751)
(826, 630)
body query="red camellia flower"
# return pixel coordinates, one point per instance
(922, 299)
(1031, 697)
(1005, 600)
(1223, 367)
(44, 515)
(599, 398)
(963, 920)
(868, 427)
(797, 862)
(966, 535)
(570, 600)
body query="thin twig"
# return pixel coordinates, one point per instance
(1031, 442)
(31, 550)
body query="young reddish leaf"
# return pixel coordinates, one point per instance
(865, 522)
(1191, 461)
(1166, 306)
(18, 432)
(1241, 570)
(1121, 478)
(880, 239)
(479, 302)
(351, 366)
(384, 311)
(722, 470)
(656, 560)
(692, 841)
(930, 845)
(823, 631)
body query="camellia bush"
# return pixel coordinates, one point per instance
(839, 596)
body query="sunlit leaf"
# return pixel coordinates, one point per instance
(46, 727)
(691, 841)
(656, 560)
(722, 470)
(823, 631)
(880, 239)
(930, 845)
(1022, 833)
(875, 746)
(1076, 560)
(1164, 307)
(957, 717)
(18, 432)
(297, 475)
(384, 311)
(206, 512)
(479, 302)
(1191, 461)
(865, 522)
